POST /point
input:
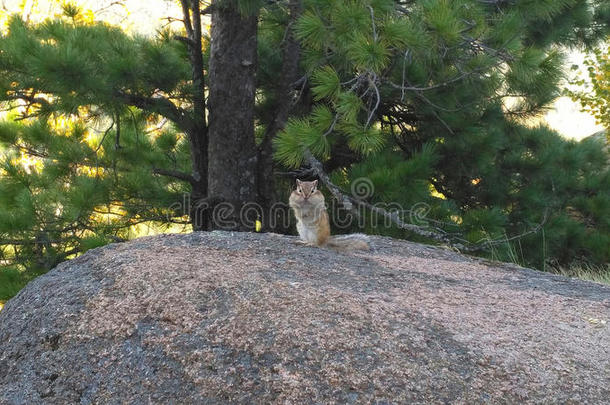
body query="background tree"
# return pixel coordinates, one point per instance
(426, 98)
(70, 180)
(131, 111)
(432, 96)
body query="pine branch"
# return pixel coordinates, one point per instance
(480, 46)
(432, 87)
(186, 40)
(378, 99)
(350, 203)
(208, 10)
(19, 242)
(175, 174)
(64, 255)
(318, 169)
(373, 23)
(171, 20)
(106, 7)
(117, 139)
(30, 151)
(332, 126)
(106, 132)
(30, 99)
(26, 97)
(494, 242)
(496, 2)
(161, 106)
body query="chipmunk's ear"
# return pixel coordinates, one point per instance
(315, 183)
(299, 182)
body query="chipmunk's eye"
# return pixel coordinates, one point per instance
(299, 190)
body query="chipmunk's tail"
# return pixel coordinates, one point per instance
(343, 243)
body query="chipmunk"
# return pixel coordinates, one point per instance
(313, 225)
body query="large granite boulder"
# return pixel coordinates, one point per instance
(256, 318)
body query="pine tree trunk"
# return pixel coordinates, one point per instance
(199, 138)
(199, 214)
(232, 85)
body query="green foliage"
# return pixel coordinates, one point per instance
(311, 30)
(64, 195)
(368, 53)
(365, 140)
(464, 54)
(429, 98)
(326, 83)
(483, 224)
(76, 171)
(443, 20)
(247, 7)
(87, 64)
(289, 144)
(425, 98)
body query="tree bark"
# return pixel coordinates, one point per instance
(232, 85)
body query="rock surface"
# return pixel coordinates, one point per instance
(256, 318)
